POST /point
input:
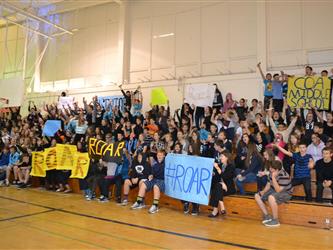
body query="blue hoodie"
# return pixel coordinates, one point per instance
(14, 158)
(4, 159)
(158, 170)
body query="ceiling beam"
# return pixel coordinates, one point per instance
(26, 27)
(9, 6)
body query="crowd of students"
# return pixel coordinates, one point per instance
(267, 143)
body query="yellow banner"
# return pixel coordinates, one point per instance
(65, 156)
(37, 164)
(309, 92)
(80, 170)
(158, 97)
(61, 157)
(50, 156)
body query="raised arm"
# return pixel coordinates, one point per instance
(284, 109)
(292, 125)
(283, 150)
(272, 124)
(319, 115)
(260, 70)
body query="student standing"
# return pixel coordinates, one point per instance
(324, 172)
(303, 164)
(222, 183)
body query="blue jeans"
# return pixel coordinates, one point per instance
(249, 178)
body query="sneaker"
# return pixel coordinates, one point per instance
(118, 200)
(213, 215)
(124, 203)
(7, 183)
(88, 198)
(272, 223)
(153, 209)
(186, 208)
(195, 212)
(103, 199)
(137, 205)
(223, 212)
(22, 185)
(266, 218)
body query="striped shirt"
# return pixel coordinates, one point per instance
(301, 165)
(283, 180)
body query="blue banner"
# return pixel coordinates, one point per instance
(118, 101)
(188, 177)
(51, 127)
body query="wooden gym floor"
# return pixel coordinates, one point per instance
(37, 219)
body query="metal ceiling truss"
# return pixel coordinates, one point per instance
(30, 16)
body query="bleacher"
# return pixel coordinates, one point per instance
(296, 212)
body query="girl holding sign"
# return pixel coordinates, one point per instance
(222, 183)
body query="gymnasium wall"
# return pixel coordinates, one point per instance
(174, 44)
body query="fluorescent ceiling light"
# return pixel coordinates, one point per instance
(164, 35)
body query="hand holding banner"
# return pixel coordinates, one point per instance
(188, 177)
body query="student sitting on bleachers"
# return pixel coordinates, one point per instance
(278, 190)
(253, 163)
(4, 161)
(324, 172)
(140, 170)
(155, 182)
(23, 170)
(14, 158)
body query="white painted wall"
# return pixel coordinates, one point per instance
(91, 53)
(203, 42)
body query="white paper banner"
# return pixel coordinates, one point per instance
(200, 95)
(65, 101)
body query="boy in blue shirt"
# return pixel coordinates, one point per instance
(4, 161)
(268, 93)
(14, 159)
(303, 164)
